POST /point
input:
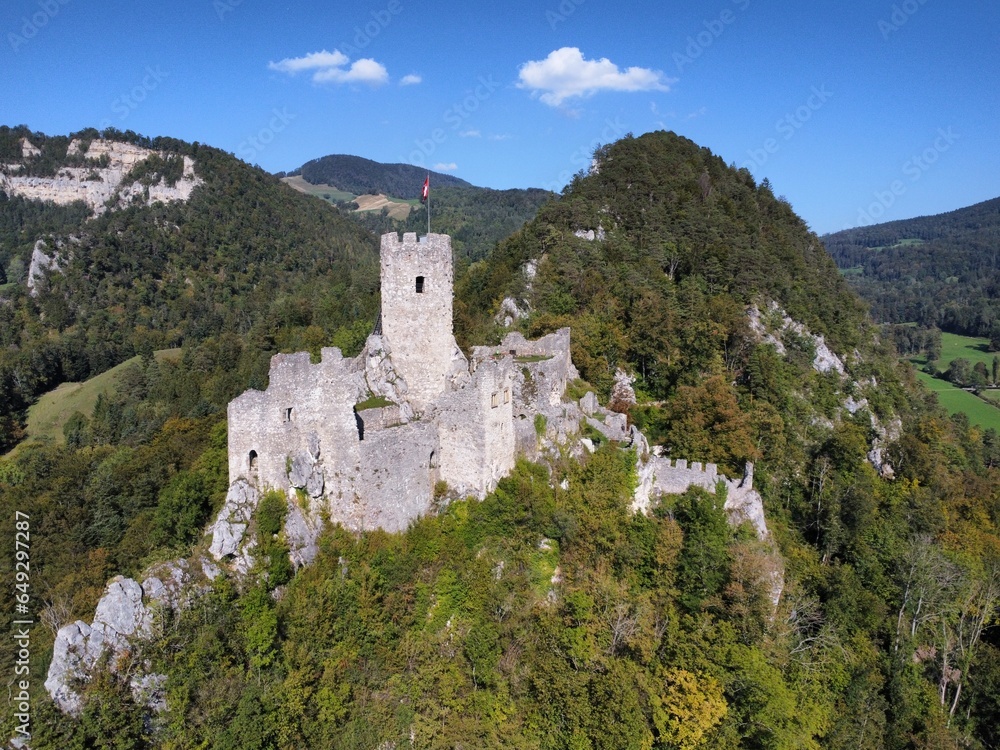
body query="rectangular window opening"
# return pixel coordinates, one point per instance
(287, 415)
(420, 284)
(506, 395)
(496, 400)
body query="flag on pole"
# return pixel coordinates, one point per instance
(426, 192)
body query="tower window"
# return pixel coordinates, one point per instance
(420, 284)
(495, 402)
(287, 415)
(253, 460)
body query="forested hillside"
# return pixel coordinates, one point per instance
(939, 271)
(246, 256)
(360, 176)
(549, 615)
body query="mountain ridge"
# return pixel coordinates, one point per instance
(941, 270)
(362, 176)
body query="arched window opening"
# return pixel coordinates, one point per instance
(253, 460)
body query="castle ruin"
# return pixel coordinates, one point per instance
(368, 439)
(368, 442)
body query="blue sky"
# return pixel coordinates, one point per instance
(855, 111)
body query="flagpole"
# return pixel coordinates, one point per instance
(428, 207)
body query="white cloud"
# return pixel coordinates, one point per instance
(500, 137)
(330, 67)
(311, 61)
(442, 167)
(365, 70)
(410, 80)
(470, 134)
(566, 74)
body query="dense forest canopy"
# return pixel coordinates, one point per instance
(939, 271)
(689, 242)
(547, 616)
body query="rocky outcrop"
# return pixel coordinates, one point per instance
(103, 182)
(28, 149)
(774, 326)
(780, 326)
(510, 312)
(232, 522)
(126, 613)
(591, 234)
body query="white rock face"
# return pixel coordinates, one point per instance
(126, 612)
(28, 149)
(41, 265)
(622, 392)
(99, 187)
(590, 234)
(823, 361)
(231, 524)
(509, 312)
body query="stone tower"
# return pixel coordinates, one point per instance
(417, 311)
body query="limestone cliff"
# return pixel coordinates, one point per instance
(103, 182)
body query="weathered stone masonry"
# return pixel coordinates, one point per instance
(367, 439)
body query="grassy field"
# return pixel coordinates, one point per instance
(398, 208)
(320, 191)
(48, 415)
(955, 400)
(968, 347)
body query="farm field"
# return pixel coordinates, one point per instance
(955, 400)
(971, 348)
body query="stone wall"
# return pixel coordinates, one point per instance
(305, 415)
(416, 278)
(476, 429)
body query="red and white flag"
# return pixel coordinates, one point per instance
(426, 192)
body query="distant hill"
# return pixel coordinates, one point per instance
(939, 270)
(354, 174)
(476, 218)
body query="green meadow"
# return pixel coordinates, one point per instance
(956, 400)
(50, 413)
